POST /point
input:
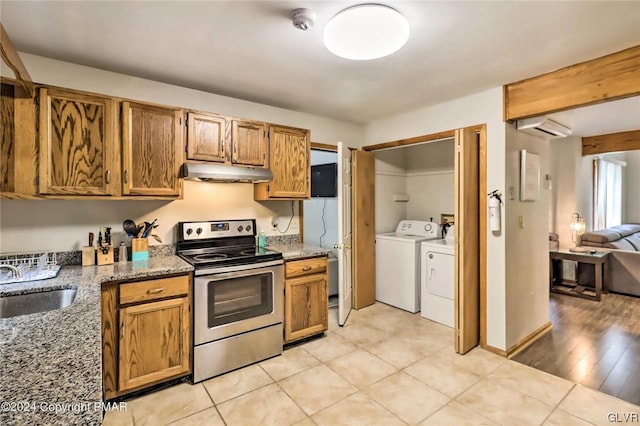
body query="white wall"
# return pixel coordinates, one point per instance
(484, 107)
(527, 249)
(571, 183)
(313, 210)
(64, 225)
(391, 179)
(632, 189)
(430, 180)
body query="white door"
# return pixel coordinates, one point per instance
(344, 234)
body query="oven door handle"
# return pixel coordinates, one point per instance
(238, 268)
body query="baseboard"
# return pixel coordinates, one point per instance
(522, 344)
(496, 351)
(529, 340)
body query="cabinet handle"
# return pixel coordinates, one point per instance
(222, 147)
(155, 290)
(306, 268)
(108, 176)
(126, 176)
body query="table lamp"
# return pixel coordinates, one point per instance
(577, 229)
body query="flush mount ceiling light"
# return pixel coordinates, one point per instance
(367, 31)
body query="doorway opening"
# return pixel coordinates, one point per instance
(469, 216)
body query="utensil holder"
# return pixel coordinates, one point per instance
(139, 249)
(104, 258)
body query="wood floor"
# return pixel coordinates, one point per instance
(593, 343)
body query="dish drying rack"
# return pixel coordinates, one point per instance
(32, 266)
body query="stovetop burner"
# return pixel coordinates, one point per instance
(209, 256)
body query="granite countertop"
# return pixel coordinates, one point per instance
(53, 360)
(295, 251)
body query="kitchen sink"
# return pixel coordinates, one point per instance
(31, 303)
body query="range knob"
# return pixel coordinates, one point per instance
(199, 231)
(189, 231)
(240, 228)
(428, 227)
(248, 228)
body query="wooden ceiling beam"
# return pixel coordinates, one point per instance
(607, 78)
(613, 142)
(12, 59)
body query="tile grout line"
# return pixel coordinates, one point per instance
(214, 404)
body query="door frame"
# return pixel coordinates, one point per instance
(481, 129)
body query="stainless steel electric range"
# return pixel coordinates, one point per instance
(237, 298)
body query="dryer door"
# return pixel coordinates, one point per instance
(440, 269)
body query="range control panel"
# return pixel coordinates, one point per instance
(216, 229)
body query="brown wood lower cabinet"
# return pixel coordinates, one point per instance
(148, 341)
(305, 298)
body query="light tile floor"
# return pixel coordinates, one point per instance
(385, 367)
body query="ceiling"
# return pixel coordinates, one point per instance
(250, 49)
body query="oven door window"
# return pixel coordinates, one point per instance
(240, 298)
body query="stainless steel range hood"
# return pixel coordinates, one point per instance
(222, 173)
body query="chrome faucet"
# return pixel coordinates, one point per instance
(16, 271)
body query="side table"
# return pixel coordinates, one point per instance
(600, 261)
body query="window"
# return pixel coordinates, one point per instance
(607, 193)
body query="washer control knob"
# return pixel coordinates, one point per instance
(189, 231)
(247, 228)
(199, 231)
(428, 227)
(240, 228)
(409, 225)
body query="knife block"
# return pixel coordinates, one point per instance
(88, 256)
(104, 258)
(139, 249)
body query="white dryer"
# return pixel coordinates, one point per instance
(398, 263)
(437, 280)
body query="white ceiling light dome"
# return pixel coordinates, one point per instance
(366, 31)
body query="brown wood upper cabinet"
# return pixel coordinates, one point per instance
(249, 140)
(206, 137)
(289, 151)
(151, 149)
(19, 145)
(220, 139)
(78, 150)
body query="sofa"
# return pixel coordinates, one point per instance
(623, 242)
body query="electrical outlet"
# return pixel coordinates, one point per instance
(294, 223)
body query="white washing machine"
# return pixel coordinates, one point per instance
(437, 279)
(398, 263)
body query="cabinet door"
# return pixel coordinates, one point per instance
(152, 149)
(289, 151)
(154, 342)
(206, 137)
(249, 143)
(77, 145)
(305, 301)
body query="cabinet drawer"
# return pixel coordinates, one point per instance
(298, 268)
(144, 291)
